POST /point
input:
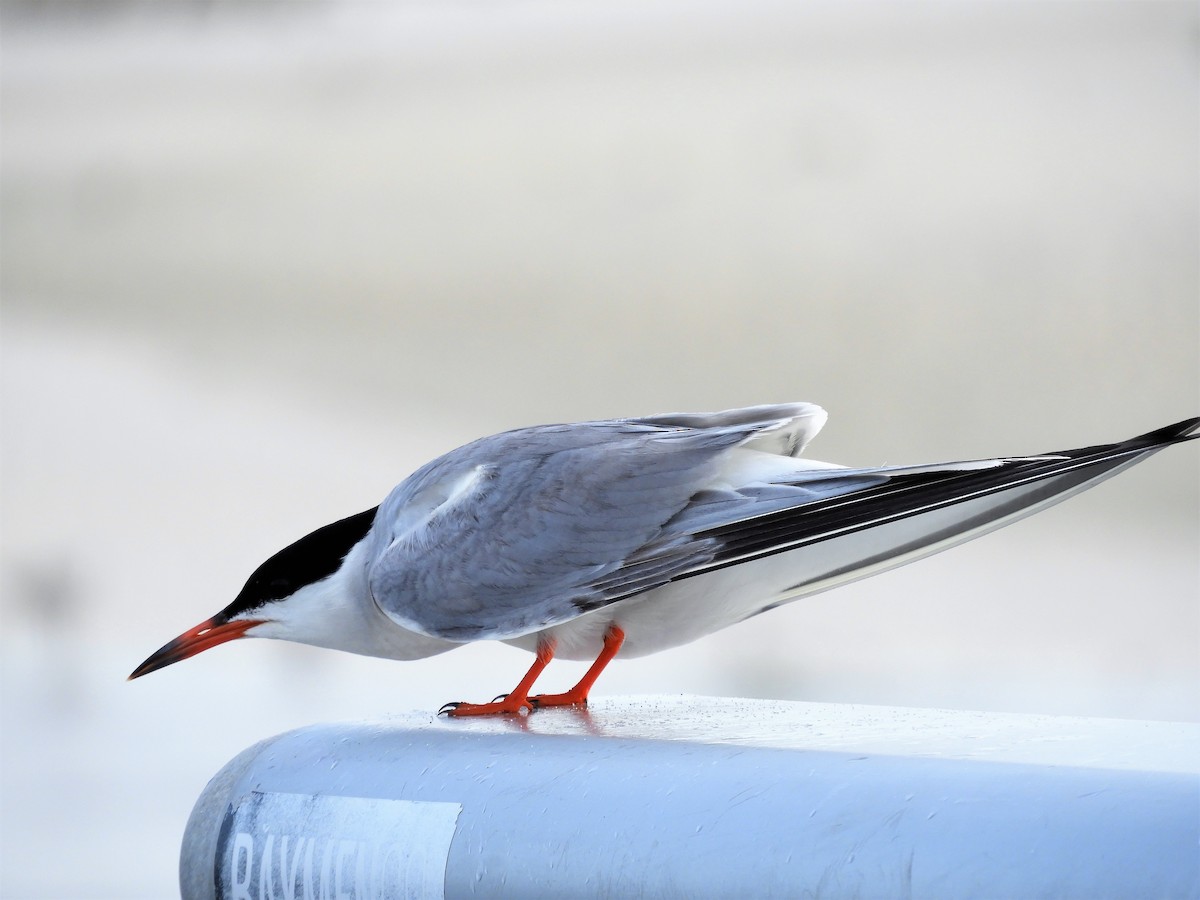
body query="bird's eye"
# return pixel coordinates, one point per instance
(277, 584)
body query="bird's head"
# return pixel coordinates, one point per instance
(279, 600)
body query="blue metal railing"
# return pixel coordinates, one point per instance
(694, 796)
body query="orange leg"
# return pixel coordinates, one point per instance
(516, 703)
(577, 696)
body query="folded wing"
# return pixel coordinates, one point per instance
(531, 528)
(560, 523)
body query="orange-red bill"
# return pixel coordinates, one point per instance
(207, 634)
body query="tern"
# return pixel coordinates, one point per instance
(627, 535)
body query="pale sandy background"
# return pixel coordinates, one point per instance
(261, 260)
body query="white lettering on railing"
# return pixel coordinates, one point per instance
(320, 847)
(243, 850)
(352, 870)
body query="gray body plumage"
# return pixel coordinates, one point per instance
(669, 527)
(531, 528)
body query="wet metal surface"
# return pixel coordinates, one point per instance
(696, 796)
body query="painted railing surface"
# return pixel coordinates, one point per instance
(698, 797)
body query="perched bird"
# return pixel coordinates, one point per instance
(629, 536)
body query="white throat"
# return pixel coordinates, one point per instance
(338, 612)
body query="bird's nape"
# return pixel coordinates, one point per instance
(207, 634)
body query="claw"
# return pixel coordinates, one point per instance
(510, 705)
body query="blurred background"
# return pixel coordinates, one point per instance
(261, 260)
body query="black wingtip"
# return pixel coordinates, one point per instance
(1187, 430)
